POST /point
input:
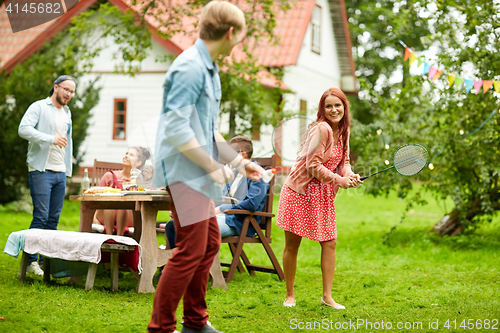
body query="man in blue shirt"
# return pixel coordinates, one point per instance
(47, 126)
(188, 147)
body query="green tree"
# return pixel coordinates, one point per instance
(243, 98)
(27, 83)
(376, 28)
(447, 121)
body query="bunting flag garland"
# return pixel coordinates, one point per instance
(451, 79)
(477, 85)
(437, 75)
(413, 57)
(497, 86)
(427, 67)
(434, 73)
(407, 53)
(468, 85)
(487, 85)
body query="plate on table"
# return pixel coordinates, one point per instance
(153, 192)
(111, 194)
(134, 193)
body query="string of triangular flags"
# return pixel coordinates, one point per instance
(433, 73)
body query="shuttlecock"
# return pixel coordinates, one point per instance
(431, 166)
(268, 175)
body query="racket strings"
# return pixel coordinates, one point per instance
(410, 160)
(306, 141)
(292, 140)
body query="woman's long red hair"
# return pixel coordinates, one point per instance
(345, 122)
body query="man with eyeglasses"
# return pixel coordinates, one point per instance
(47, 126)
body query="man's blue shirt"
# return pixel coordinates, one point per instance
(254, 198)
(191, 100)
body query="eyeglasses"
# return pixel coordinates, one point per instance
(68, 91)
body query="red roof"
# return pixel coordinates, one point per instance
(11, 44)
(291, 28)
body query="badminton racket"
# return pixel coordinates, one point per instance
(293, 139)
(409, 160)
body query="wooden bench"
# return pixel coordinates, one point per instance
(115, 250)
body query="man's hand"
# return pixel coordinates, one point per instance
(60, 141)
(252, 170)
(222, 174)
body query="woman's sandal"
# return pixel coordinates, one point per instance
(338, 306)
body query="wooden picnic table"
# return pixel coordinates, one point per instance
(145, 208)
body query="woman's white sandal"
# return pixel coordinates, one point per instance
(338, 306)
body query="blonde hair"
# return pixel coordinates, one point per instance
(217, 17)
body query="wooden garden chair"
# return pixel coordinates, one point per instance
(100, 168)
(263, 234)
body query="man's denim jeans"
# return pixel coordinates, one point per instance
(47, 192)
(225, 230)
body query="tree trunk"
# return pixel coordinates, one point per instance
(449, 225)
(232, 122)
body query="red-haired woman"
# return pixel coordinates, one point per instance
(306, 206)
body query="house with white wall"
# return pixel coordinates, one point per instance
(314, 52)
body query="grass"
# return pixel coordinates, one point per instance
(413, 278)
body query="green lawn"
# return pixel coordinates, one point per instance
(414, 278)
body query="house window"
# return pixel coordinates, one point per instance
(316, 29)
(120, 119)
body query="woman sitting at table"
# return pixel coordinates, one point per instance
(135, 158)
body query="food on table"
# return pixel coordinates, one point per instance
(101, 189)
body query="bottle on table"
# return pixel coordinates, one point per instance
(85, 181)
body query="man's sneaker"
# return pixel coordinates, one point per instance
(206, 329)
(34, 268)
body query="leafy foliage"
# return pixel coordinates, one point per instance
(247, 102)
(444, 119)
(27, 83)
(93, 29)
(376, 28)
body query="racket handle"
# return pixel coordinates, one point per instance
(363, 178)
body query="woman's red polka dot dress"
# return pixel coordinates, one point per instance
(311, 215)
